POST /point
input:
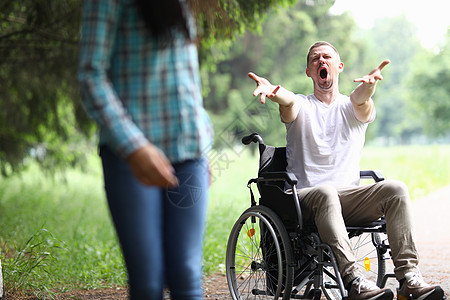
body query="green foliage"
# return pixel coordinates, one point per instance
(430, 91)
(41, 114)
(38, 52)
(78, 248)
(219, 21)
(27, 268)
(424, 169)
(40, 108)
(393, 38)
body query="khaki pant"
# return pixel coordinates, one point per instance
(331, 208)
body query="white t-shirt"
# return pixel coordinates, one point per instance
(324, 143)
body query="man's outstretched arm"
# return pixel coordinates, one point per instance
(287, 101)
(361, 95)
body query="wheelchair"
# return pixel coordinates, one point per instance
(273, 254)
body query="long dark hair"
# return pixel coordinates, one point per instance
(162, 16)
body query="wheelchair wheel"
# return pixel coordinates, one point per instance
(370, 255)
(259, 257)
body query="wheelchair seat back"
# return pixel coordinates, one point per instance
(272, 194)
(272, 159)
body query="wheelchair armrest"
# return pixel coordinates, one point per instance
(278, 176)
(371, 174)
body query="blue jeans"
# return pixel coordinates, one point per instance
(160, 230)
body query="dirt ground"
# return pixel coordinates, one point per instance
(433, 239)
(432, 219)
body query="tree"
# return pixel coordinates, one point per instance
(277, 52)
(430, 91)
(40, 108)
(393, 38)
(37, 65)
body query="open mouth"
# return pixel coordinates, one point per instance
(323, 73)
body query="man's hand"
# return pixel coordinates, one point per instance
(151, 167)
(287, 100)
(264, 87)
(360, 97)
(375, 75)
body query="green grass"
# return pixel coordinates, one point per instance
(229, 197)
(68, 218)
(423, 168)
(56, 233)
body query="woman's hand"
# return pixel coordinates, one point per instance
(151, 167)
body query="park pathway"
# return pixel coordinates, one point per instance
(432, 219)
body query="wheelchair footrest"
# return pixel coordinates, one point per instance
(258, 292)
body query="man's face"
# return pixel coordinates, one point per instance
(324, 67)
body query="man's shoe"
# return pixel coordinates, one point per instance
(361, 288)
(415, 288)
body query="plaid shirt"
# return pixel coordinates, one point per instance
(135, 90)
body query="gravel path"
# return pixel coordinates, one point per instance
(432, 221)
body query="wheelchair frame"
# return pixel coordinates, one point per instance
(272, 254)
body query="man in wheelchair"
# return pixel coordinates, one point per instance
(325, 137)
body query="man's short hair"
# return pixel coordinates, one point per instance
(318, 44)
